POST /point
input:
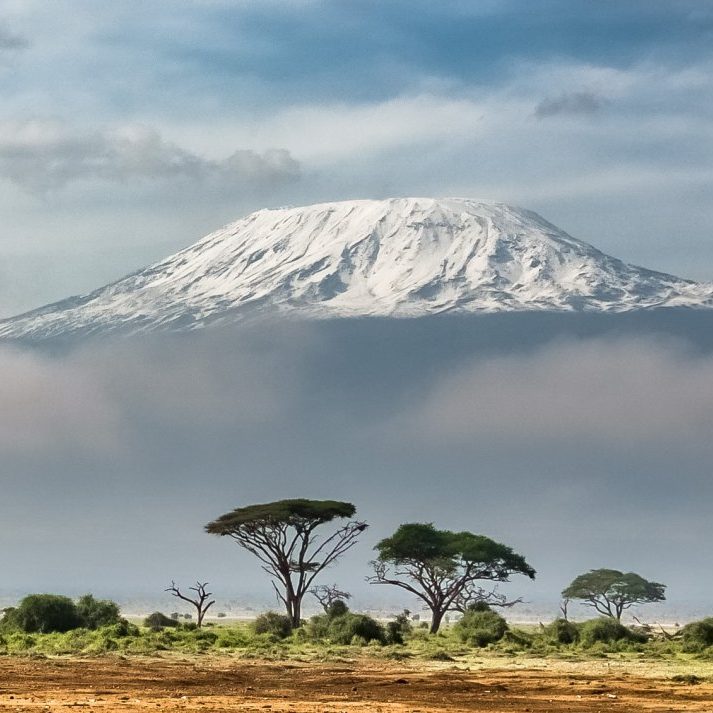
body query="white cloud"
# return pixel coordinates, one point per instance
(44, 155)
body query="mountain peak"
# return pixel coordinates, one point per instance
(398, 257)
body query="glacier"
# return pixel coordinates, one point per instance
(401, 257)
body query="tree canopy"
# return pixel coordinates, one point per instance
(610, 591)
(282, 535)
(438, 566)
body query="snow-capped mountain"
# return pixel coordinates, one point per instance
(402, 257)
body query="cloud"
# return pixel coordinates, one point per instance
(101, 400)
(10, 41)
(42, 156)
(577, 103)
(50, 408)
(624, 394)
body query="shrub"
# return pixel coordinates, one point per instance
(95, 613)
(42, 614)
(158, 620)
(698, 634)
(480, 628)
(398, 629)
(562, 631)
(271, 622)
(121, 629)
(607, 631)
(317, 627)
(337, 608)
(360, 627)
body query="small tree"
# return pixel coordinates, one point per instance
(611, 592)
(200, 601)
(474, 595)
(438, 566)
(326, 595)
(283, 536)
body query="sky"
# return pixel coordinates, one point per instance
(129, 130)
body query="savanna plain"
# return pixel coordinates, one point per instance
(223, 666)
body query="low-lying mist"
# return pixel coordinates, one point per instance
(581, 440)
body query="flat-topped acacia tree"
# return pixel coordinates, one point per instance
(438, 566)
(283, 536)
(610, 591)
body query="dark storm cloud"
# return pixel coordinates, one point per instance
(584, 103)
(41, 156)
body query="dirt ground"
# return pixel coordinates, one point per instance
(223, 684)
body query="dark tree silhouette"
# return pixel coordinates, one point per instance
(200, 601)
(437, 566)
(611, 592)
(283, 536)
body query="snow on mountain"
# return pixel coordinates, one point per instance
(402, 257)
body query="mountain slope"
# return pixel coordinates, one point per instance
(400, 257)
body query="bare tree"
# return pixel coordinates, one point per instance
(200, 601)
(564, 606)
(326, 595)
(472, 595)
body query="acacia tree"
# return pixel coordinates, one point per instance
(611, 592)
(202, 600)
(283, 536)
(438, 566)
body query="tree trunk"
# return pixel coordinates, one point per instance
(200, 618)
(294, 610)
(436, 619)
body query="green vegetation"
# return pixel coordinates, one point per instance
(271, 622)
(347, 634)
(698, 635)
(611, 592)
(480, 628)
(158, 620)
(47, 613)
(95, 613)
(608, 631)
(438, 566)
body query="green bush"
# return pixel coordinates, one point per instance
(698, 634)
(271, 622)
(96, 613)
(606, 630)
(562, 631)
(158, 621)
(397, 630)
(42, 614)
(360, 627)
(121, 629)
(480, 628)
(337, 608)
